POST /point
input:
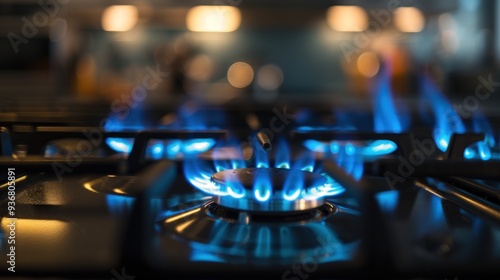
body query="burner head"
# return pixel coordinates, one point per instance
(269, 189)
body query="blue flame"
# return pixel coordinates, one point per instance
(386, 117)
(347, 159)
(350, 157)
(261, 157)
(262, 187)
(194, 146)
(173, 148)
(222, 163)
(332, 187)
(305, 162)
(334, 147)
(372, 148)
(379, 148)
(482, 149)
(316, 146)
(131, 119)
(282, 154)
(236, 190)
(188, 118)
(447, 121)
(199, 174)
(120, 145)
(294, 184)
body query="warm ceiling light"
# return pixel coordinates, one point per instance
(240, 74)
(213, 18)
(347, 18)
(409, 19)
(119, 17)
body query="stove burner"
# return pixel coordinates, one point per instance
(219, 234)
(269, 189)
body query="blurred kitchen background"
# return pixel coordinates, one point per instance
(228, 50)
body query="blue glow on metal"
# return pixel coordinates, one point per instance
(237, 243)
(201, 256)
(436, 216)
(219, 232)
(263, 248)
(286, 240)
(118, 204)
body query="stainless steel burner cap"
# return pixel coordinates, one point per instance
(277, 190)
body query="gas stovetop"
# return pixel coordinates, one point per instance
(285, 192)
